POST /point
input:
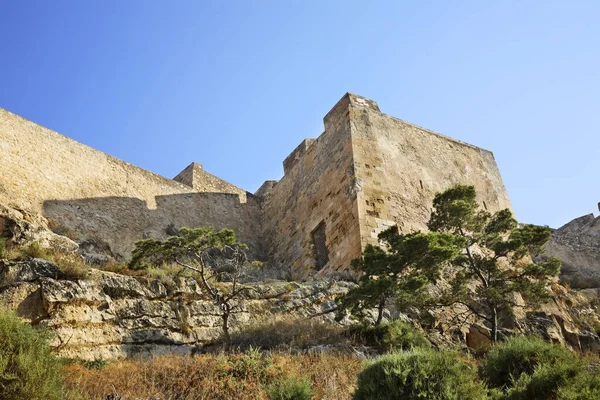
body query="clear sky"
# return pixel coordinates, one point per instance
(236, 85)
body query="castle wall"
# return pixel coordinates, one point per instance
(400, 167)
(89, 192)
(366, 172)
(315, 201)
(198, 179)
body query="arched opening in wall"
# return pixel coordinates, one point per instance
(321, 252)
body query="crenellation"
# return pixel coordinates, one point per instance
(366, 172)
(296, 155)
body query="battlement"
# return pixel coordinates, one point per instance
(198, 179)
(367, 171)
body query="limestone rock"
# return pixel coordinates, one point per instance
(577, 245)
(114, 316)
(477, 337)
(93, 252)
(120, 286)
(29, 270)
(23, 227)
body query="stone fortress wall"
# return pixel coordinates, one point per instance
(400, 167)
(367, 171)
(92, 195)
(310, 216)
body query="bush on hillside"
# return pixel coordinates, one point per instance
(394, 335)
(506, 362)
(34, 250)
(291, 389)
(28, 370)
(73, 266)
(584, 386)
(544, 382)
(420, 374)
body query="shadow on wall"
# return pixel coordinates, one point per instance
(118, 222)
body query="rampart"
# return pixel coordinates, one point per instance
(366, 172)
(399, 168)
(310, 216)
(93, 195)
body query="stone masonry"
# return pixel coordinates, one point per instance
(366, 172)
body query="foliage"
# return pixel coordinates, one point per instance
(519, 355)
(389, 336)
(28, 370)
(34, 250)
(252, 364)
(214, 255)
(584, 386)
(403, 271)
(495, 256)
(484, 260)
(528, 368)
(72, 265)
(419, 374)
(291, 389)
(94, 364)
(543, 382)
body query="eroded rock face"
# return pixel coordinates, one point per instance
(577, 244)
(22, 227)
(113, 316)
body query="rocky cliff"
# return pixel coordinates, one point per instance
(577, 244)
(110, 316)
(105, 315)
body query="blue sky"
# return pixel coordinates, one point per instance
(236, 85)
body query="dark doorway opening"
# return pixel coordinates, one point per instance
(321, 252)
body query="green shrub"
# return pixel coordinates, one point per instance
(3, 247)
(504, 364)
(28, 370)
(584, 386)
(394, 335)
(419, 374)
(94, 364)
(253, 364)
(291, 389)
(72, 266)
(544, 382)
(34, 250)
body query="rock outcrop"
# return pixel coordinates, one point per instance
(22, 227)
(577, 244)
(110, 316)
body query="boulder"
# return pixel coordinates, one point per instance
(29, 270)
(22, 227)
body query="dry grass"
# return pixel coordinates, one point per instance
(212, 377)
(165, 273)
(286, 332)
(73, 266)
